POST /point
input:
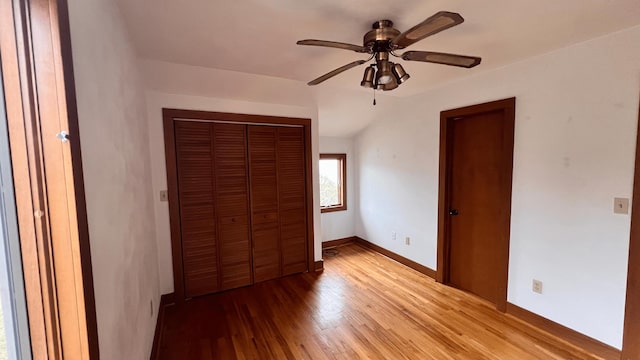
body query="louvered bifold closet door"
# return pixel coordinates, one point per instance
(194, 152)
(291, 200)
(264, 202)
(232, 204)
(214, 206)
(278, 208)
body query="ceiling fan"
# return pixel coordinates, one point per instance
(383, 40)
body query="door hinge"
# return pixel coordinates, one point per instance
(63, 136)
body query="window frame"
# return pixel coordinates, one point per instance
(342, 158)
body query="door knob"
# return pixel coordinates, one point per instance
(453, 212)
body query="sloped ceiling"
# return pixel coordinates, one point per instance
(258, 37)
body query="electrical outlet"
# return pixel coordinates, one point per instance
(393, 236)
(407, 240)
(537, 286)
(164, 195)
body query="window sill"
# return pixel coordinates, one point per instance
(333, 208)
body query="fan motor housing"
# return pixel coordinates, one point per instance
(380, 36)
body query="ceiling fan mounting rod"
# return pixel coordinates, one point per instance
(382, 56)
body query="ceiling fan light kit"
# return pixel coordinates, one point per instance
(384, 40)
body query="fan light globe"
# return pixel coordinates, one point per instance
(384, 75)
(384, 79)
(388, 86)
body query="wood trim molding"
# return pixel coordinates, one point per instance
(399, 258)
(169, 116)
(319, 266)
(174, 205)
(78, 176)
(446, 118)
(631, 334)
(338, 242)
(234, 117)
(165, 300)
(309, 175)
(571, 336)
(443, 201)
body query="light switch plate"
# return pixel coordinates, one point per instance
(164, 196)
(620, 206)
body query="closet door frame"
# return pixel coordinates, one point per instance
(170, 116)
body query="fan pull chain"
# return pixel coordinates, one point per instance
(374, 97)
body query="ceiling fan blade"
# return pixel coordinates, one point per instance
(442, 58)
(335, 72)
(333, 44)
(433, 25)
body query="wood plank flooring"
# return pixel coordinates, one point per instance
(363, 306)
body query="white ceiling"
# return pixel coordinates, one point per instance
(259, 37)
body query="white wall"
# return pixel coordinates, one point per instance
(576, 122)
(340, 224)
(397, 174)
(155, 102)
(344, 112)
(115, 157)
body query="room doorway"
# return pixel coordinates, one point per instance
(476, 163)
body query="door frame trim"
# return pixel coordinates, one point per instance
(170, 116)
(447, 117)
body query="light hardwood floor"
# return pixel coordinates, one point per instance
(363, 306)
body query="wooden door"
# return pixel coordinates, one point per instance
(478, 182)
(291, 200)
(278, 201)
(194, 153)
(263, 165)
(213, 197)
(232, 204)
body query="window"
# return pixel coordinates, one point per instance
(333, 182)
